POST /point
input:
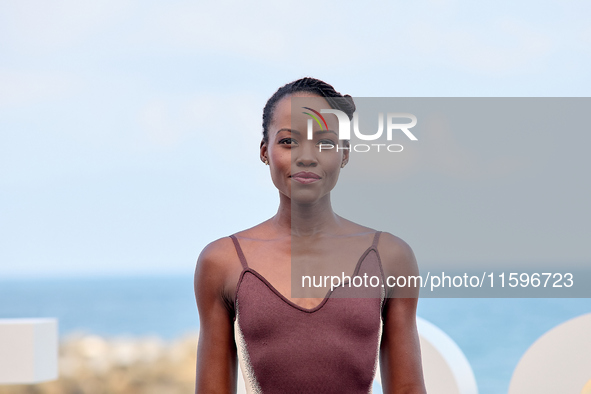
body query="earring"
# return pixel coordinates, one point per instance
(266, 161)
(343, 165)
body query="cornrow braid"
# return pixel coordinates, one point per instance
(312, 85)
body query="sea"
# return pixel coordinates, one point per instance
(493, 333)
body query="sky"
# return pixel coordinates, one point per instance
(130, 130)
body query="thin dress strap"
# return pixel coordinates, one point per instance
(376, 239)
(239, 251)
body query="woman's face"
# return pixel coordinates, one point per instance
(303, 170)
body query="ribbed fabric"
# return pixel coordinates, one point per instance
(332, 348)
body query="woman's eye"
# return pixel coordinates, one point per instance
(327, 142)
(288, 141)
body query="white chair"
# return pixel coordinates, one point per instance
(558, 362)
(28, 350)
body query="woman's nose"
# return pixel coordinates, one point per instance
(305, 155)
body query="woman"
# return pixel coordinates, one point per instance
(308, 343)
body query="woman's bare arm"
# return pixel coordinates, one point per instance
(216, 353)
(400, 355)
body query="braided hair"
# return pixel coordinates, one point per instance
(312, 85)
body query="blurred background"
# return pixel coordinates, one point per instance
(129, 140)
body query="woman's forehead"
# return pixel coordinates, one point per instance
(283, 111)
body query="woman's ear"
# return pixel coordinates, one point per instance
(347, 146)
(264, 152)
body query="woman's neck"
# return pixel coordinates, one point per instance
(304, 220)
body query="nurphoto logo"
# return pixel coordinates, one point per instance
(344, 131)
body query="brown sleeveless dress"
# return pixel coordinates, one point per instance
(331, 348)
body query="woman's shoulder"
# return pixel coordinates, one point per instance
(221, 253)
(396, 255)
(216, 249)
(393, 245)
(216, 258)
(398, 259)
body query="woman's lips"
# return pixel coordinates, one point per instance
(305, 177)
